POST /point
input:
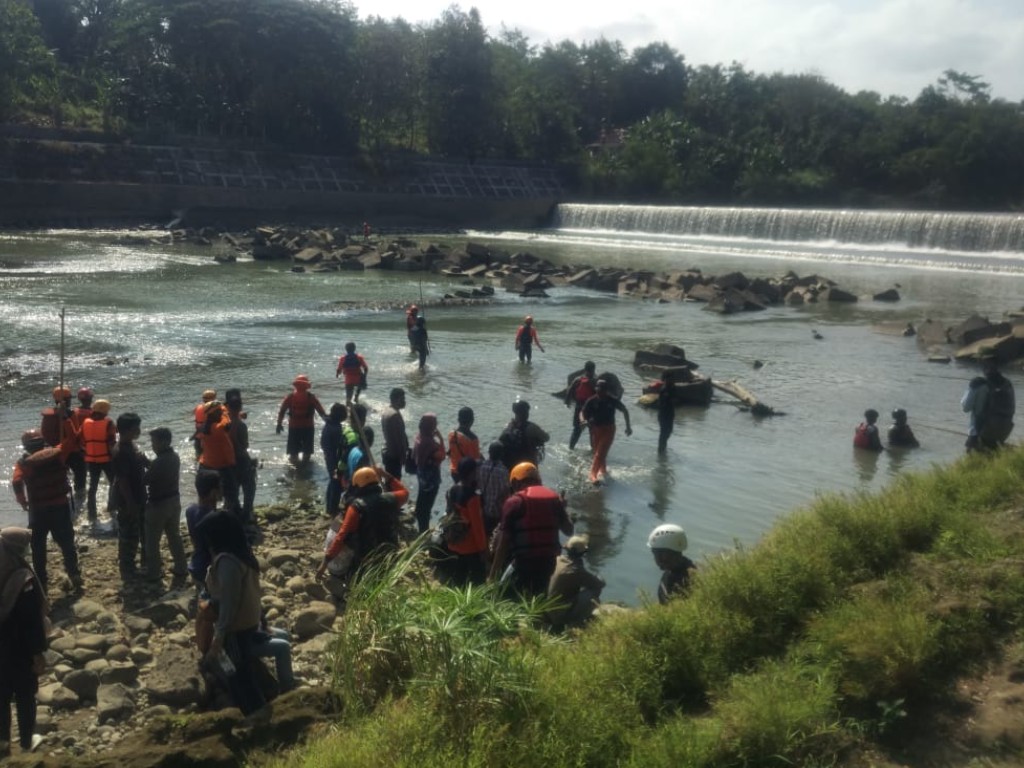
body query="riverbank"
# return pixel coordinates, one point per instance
(881, 630)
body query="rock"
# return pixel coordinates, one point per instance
(114, 703)
(63, 644)
(97, 665)
(93, 642)
(83, 683)
(118, 652)
(889, 295)
(87, 610)
(138, 624)
(82, 656)
(162, 612)
(120, 672)
(278, 557)
(314, 619)
(701, 292)
(142, 656)
(296, 584)
(57, 696)
(176, 680)
(834, 295)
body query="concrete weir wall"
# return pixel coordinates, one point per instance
(46, 183)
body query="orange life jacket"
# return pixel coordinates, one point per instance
(97, 435)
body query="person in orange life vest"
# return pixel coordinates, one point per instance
(59, 417)
(97, 439)
(581, 390)
(301, 405)
(599, 414)
(410, 322)
(219, 452)
(470, 546)
(370, 521)
(462, 441)
(526, 337)
(199, 416)
(866, 436)
(527, 534)
(77, 459)
(354, 366)
(40, 483)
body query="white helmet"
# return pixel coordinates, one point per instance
(668, 536)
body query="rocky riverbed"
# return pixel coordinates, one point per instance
(123, 686)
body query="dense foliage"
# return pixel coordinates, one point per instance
(310, 76)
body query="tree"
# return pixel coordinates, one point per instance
(25, 62)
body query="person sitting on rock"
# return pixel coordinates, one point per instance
(577, 590)
(900, 433)
(866, 436)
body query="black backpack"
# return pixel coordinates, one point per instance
(1000, 404)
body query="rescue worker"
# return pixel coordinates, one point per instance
(866, 435)
(900, 433)
(523, 440)
(577, 590)
(40, 483)
(77, 459)
(667, 543)
(354, 366)
(462, 441)
(526, 337)
(599, 413)
(129, 465)
(97, 438)
(580, 390)
(464, 535)
(219, 451)
(199, 416)
(419, 340)
(58, 418)
(369, 524)
(301, 405)
(410, 322)
(527, 534)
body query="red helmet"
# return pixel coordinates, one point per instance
(84, 394)
(32, 440)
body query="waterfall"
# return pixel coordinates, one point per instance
(939, 230)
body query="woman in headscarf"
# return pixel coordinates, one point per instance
(428, 453)
(233, 581)
(23, 629)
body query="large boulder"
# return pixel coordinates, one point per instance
(114, 702)
(888, 295)
(176, 680)
(315, 618)
(975, 328)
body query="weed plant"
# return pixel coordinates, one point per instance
(845, 620)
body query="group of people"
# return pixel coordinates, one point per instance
(989, 402)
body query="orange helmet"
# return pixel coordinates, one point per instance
(364, 477)
(524, 470)
(528, 319)
(32, 440)
(61, 393)
(301, 382)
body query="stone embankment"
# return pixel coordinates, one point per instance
(123, 685)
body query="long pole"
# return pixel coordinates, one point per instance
(60, 406)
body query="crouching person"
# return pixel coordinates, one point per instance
(369, 523)
(577, 590)
(233, 581)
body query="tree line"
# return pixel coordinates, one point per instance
(640, 125)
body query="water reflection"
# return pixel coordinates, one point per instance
(607, 529)
(866, 464)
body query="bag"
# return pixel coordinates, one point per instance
(453, 528)
(1000, 404)
(410, 463)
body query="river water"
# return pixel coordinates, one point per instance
(149, 328)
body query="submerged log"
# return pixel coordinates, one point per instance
(744, 396)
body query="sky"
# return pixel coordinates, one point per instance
(894, 47)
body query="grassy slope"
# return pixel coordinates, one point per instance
(809, 648)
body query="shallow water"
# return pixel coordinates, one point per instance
(150, 328)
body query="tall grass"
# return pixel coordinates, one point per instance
(843, 616)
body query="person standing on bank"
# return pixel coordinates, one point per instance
(23, 642)
(163, 508)
(581, 390)
(990, 401)
(396, 441)
(462, 441)
(428, 453)
(526, 337)
(245, 465)
(40, 484)
(354, 367)
(599, 414)
(130, 466)
(527, 535)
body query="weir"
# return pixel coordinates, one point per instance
(939, 230)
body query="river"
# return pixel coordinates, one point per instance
(149, 328)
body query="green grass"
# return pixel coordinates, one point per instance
(845, 621)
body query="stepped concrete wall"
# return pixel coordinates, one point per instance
(78, 183)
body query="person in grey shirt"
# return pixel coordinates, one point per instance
(163, 507)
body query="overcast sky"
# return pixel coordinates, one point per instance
(890, 46)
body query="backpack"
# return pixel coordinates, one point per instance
(516, 445)
(1000, 404)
